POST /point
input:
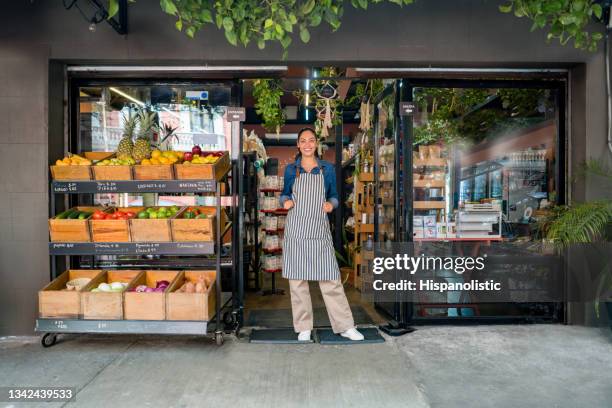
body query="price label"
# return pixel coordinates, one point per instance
(106, 186)
(151, 186)
(59, 324)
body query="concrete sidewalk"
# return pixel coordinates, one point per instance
(482, 366)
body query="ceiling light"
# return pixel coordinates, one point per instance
(126, 96)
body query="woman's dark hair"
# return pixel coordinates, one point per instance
(306, 129)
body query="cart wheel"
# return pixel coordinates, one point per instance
(48, 339)
(219, 338)
(229, 319)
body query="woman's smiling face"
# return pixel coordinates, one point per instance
(307, 143)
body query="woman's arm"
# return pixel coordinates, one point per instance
(332, 194)
(287, 185)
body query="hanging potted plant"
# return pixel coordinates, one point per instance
(267, 94)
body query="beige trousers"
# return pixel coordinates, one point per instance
(337, 306)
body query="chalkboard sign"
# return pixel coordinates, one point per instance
(134, 186)
(131, 248)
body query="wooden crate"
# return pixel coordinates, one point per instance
(151, 230)
(113, 230)
(71, 172)
(105, 305)
(203, 171)
(112, 172)
(54, 301)
(71, 230)
(148, 306)
(190, 230)
(153, 172)
(191, 306)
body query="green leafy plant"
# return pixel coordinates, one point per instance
(258, 21)
(277, 21)
(564, 19)
(584, 223)
(267, 94)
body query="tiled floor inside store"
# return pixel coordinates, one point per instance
(476, 366)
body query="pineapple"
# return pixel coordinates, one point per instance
(124, 150)
(148, 126)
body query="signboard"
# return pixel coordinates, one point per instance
(408, 108)
(236, 114)
(197, 95)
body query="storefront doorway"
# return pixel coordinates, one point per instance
(481, 140)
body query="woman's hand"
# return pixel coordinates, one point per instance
(328, 207)
(287, 205)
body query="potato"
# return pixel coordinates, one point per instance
(199, 287)
(190, 287)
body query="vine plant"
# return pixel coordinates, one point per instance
(277, 21)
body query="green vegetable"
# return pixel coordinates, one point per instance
(202, 216)
(84, 215)
(65, 214)
(74, 215)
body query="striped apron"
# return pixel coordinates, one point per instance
(308, 249)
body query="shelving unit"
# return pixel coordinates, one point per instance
(51, 327)
(364, 198)
(251, 200)
(422, 166)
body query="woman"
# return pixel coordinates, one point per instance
(309, 194)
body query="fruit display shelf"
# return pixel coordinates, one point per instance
(134, 186)
(51, 327)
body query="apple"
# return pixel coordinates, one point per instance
(188, 156)
(196, 150)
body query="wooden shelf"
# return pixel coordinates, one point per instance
(366, 177)
(429, 205)
(364, 228)
(429, 162)
(429, 183)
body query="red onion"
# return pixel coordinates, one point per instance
(162, 283)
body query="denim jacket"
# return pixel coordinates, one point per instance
(329, 177)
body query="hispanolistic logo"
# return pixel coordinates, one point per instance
(423, 263)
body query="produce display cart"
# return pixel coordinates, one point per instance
(51, 327)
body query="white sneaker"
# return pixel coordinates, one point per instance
(304, 335)
(352, 334)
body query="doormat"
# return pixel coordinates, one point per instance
(275, 336)
(327, 336)
(283, 317)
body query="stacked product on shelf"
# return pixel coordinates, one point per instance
(477, 220)
(273, 227)
(135, 224)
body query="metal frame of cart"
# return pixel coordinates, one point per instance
(52, 327)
